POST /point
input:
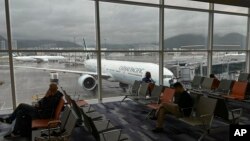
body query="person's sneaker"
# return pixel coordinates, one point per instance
(158, 130)
(12, 135)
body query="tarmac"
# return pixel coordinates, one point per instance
(30, 83)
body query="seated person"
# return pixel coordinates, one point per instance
(148, 79)
(216, 82)
(44, 109)
(212, 76)
(182, 100)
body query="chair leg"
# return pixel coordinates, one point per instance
(203, 135)
(124, 98)
(149, 114)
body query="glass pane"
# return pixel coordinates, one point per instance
(230, 32)
(187, 3)
(228, 65)
(124, 73)
(185, 30)
(54, 24)
(128, 27)
(146, 1)
(229, 8)
(3, 33)
(185, 65)
(76, 74)
(5, 85)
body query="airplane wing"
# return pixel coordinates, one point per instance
(104, 75)
(40, 59)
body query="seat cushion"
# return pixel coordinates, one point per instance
(192, 121)
(40, 123)
(153, 106)
(81, 103)
(236, 97)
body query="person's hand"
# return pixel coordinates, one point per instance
(37, 106)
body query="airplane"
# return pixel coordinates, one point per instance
(38, 59)
(124, 72)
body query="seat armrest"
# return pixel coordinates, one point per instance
(234, 111)
(102, 121)
(113, 133)
(46, 130)
(186, 108)
(89, 109)
(54, 123)
(206, 115)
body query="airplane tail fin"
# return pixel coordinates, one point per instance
(85, 48)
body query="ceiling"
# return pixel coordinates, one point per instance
(243, 3)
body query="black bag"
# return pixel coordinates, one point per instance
(23, 126)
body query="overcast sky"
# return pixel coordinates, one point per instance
(71, 20)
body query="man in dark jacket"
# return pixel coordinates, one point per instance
(181, 106)
(148, 79)
(44, 109)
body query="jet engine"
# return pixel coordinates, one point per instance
(88, 82)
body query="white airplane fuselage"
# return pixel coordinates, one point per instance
(38, 58)
(127, 72)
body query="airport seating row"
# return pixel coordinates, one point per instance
(204, 86)
(229, 89)
(144, 93)
(244, 77)
(95, 124)
(84, 116)
(202, 115)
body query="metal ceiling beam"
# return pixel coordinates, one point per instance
(242, 3)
